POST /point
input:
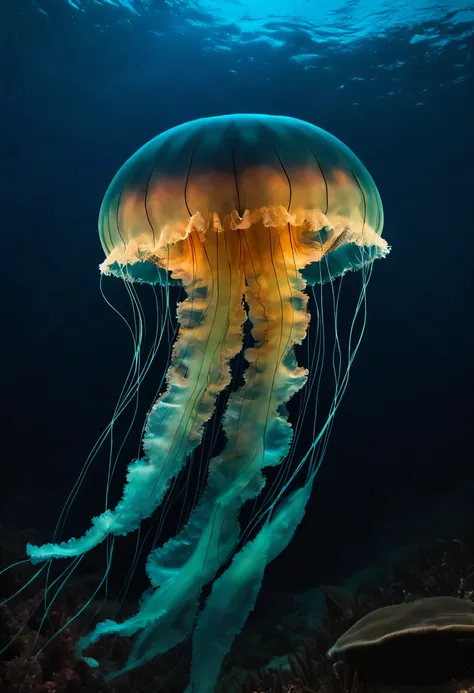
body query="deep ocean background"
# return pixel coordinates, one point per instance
(86, 86)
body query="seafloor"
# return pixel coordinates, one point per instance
(281, 650)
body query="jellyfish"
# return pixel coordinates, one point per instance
(253, 216)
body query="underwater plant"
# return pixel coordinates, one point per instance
(253, 216)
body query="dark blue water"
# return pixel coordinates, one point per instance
(86, 84)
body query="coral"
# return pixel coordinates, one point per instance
(26, 667)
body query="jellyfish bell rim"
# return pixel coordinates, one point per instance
(180, 203)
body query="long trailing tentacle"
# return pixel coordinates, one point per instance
(235, 592)
(211, 318)
(258, 435)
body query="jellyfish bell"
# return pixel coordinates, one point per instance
(234, 172)
(246, 213)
